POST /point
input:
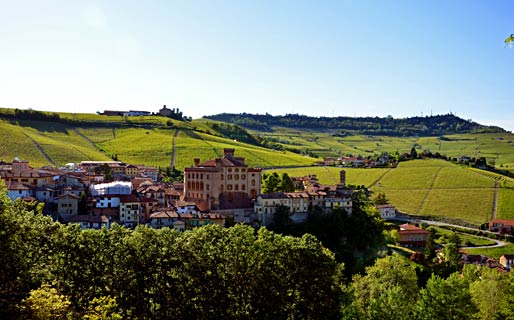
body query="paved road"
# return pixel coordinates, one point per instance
(438, 223)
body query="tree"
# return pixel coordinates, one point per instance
(413, 153)
(388, 288)
(489, 292)
(46, 303)
(103, 308)
(271, 183)
(286, 183)
(381, 198)
(509, 40)
(445, 299)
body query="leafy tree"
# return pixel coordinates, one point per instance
(103, 308)
(388, 288)
(46, 303)
(286, 183)
(381, 198)
(413, 153)
(445, 299)
(489, 292)
(509, 40)
(271, 183)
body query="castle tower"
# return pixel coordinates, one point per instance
(342, 177)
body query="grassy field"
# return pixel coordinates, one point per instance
(506, 204)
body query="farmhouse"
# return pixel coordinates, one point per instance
(223, 183)
(507, 261)
(412, 236)
(501, 225)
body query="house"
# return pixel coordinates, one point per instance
(412, 236)
(117, 187)
(165, 112)
(222, 183)
(163, 218)
(68, 204)
(17, 190)
(88, 222)
(135, 113)
(507, 261)
(387, 211)
(501, 225)
(131, 211)
(202, 219)
(20, 171)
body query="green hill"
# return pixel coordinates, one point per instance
(57, 138)
(430, 188)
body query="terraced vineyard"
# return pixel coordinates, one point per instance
(427, 187)
(493, 146)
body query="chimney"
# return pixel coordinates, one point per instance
(197, 162)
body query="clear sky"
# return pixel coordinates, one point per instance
(322, 58)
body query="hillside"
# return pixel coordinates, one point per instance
(420, 126)
(57, 138)
(430, 188)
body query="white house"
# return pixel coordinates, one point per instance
(17, 190)
(116, 187)
(387, 211)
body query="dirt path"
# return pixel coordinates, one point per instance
(173, 143)
(495, 199)
(40, 149)
(379, 178)
(423, 202)
(80, 134)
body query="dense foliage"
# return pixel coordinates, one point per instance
(53, 270)
(425, 126)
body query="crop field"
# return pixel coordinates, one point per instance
(505, 204)
(426, 187)
(141, 146)
(16, 144)
(473, 205)
(34, 140)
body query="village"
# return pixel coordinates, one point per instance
(96, 194)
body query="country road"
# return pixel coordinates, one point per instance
(438, 223)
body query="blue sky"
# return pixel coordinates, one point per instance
(320, 58)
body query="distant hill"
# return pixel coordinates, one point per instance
(389, 126)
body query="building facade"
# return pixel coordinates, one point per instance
(222, 183)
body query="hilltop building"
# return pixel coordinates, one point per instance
(222, 183)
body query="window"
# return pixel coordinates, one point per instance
(201, 176)
(222, 177)
(229, 177)
(243, 187)
(237, 187)
(207, 176)
(243, 176)
(229, 169)
(253, 182)
(236, 169)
